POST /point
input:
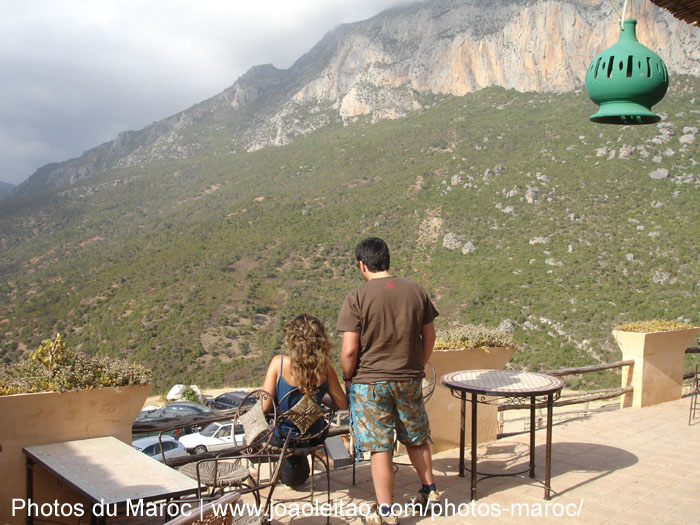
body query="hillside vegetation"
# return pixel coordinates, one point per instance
(509, 207)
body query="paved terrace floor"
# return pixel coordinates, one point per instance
(629, 466)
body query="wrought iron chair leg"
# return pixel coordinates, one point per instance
(327, 467)
(328, 483)
(313, 456)
(256, 493)
(695, 391)
(325, 462)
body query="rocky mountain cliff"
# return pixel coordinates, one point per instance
(388, 66)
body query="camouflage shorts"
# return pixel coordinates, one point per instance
(380, 409)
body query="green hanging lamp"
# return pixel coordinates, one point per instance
(626, 80)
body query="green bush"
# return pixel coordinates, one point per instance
(190, 395)
(472, 336)
(53, 368)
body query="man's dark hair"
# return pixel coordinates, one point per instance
(374, 253)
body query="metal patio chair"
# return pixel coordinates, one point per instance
(238, 467)
(303, 415)
(235, 514)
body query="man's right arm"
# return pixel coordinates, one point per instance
(348, 354)
(427, 333)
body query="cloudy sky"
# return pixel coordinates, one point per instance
(74, 73)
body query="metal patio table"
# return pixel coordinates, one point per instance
(516, 387)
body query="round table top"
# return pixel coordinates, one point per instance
(502, 382)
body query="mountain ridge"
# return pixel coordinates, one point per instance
(379, 67)
(6, 187)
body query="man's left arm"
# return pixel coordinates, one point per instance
(427, 334)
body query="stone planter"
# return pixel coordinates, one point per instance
(657, 373)
(444, 410)
(52, 417)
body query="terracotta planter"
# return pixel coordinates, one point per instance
(51, 417)
(444, 410)
(657, 373)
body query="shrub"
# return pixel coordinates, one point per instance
(190, 395)
(472, 336)
(656, 325)
(53, 368)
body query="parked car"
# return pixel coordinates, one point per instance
(215, 436)
(176, 409)
(231, 400)
(151, 447)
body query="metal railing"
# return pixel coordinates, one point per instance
(201, 420)
(691, 350)
(567, 399)
(173, 423)
(576, 398)
(573, 398)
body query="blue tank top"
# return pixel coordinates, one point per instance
(282, 389)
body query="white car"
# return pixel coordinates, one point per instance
(215, 436)
(151, 447)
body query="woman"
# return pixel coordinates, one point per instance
(304, 369)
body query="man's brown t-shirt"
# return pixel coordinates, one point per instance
(388, 313)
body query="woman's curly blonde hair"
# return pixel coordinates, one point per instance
(310, 350)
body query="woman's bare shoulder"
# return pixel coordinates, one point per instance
(275, 363)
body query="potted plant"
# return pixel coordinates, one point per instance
(657, 348)
(59, 395)
(465, 347)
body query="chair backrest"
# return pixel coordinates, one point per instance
(258, 426)
(303, 415)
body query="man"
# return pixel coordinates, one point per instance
(388, 337)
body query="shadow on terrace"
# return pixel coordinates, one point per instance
(609, 465)
(617, 466)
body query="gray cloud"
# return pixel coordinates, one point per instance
(74, 73)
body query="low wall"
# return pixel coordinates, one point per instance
(50, 417)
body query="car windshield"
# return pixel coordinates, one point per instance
(210, 429)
